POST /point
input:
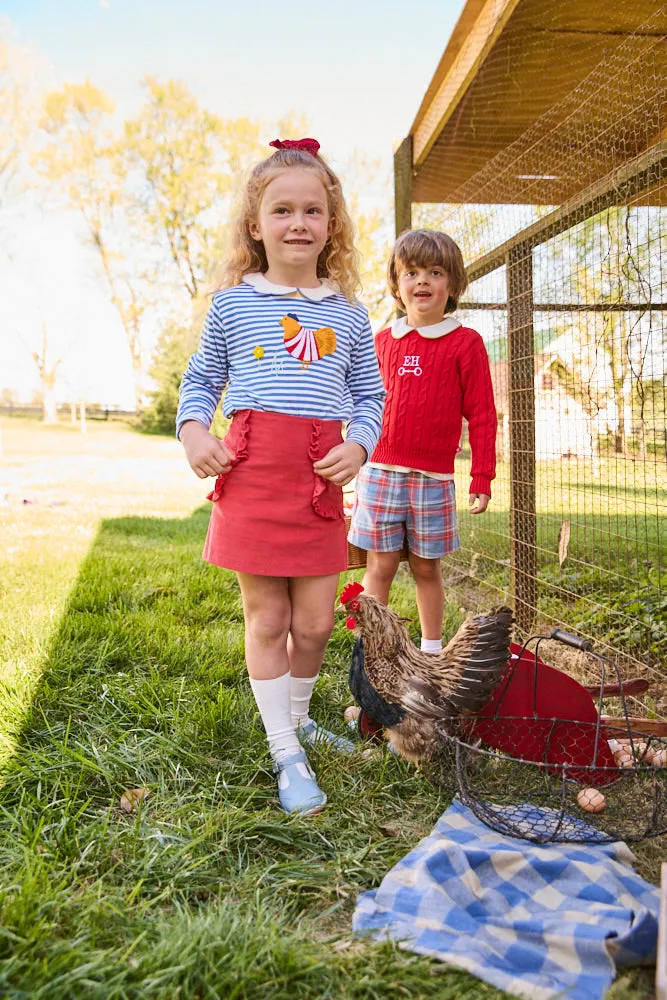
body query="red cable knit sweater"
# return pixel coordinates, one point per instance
(431, 384)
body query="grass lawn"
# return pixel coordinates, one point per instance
(122, 667)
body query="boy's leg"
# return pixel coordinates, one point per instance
(379, 524)
(380, 572)
(430, 598)
(432, 534)
(312, 619)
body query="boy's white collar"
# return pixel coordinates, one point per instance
(400, 327)
(262, 285)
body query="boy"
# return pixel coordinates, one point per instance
(436, 372)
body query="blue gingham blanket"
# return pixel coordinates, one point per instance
(539, 921)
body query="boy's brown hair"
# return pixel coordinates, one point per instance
(428, 248)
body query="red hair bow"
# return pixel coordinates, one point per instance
(307, 145)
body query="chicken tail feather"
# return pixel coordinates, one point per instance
(476, 659)
(484, 661)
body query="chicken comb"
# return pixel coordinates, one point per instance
(349, 591)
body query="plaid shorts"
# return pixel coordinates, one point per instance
(390, 505)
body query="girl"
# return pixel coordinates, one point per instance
(297, 355)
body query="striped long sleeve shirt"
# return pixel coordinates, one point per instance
(308, 356)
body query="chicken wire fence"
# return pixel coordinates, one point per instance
(563, 230)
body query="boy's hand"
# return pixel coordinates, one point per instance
(482, 501)
(206, 453)
(342, 463)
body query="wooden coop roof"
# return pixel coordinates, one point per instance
(522, 87)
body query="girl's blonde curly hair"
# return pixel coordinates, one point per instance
(338, 261)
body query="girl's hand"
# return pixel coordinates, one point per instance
(206, 453)
(342, 463)
(482, 501)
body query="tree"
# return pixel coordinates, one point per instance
(187, 162)
(85, 162)
(366, 184)
(48, 373)
(19, 107)
(175, 345)
(613, 259)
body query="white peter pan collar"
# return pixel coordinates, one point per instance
(400, 327)
(262, 285)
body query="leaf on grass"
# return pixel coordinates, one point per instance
(132, 798)
(389, 831)
(563, 541)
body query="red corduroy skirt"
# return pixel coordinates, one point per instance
(272, 515)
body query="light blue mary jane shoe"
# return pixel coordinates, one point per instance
(311, 733)
(298, 790)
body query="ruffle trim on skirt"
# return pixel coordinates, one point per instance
(236, 441)
(327, 496)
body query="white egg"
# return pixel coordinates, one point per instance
(591, 800)
(624, 758)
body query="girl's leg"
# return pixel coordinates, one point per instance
(267, 611)
(380, 572)
(311, 624)
(312, 601)
(266, 608)
(430, 600)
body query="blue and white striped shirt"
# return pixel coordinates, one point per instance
(244, 345)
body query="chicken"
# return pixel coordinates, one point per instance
(307, 345)
(422, 698)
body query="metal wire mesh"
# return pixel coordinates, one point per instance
(575, 769)
(550, 172)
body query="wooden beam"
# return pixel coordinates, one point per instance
(637, 726)
(521, 368)
(403, 186)
(617, 188)
(457, 40)
(601, 307)
(460, 72)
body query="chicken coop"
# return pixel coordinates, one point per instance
(540, 146)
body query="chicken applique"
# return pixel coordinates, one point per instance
(307, 345)
(419, 698)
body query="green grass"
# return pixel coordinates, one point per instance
(122, 667)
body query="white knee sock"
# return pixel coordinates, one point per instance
(301, 691)
(431, 645)
(273, 702)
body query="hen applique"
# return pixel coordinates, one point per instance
(306, 345)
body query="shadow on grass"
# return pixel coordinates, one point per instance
(207, 890)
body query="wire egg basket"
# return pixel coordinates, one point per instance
(552, 760)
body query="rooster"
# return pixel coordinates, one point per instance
(307, 345)
(422, 698)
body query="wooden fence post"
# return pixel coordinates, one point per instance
(521, 364)
(403, 186)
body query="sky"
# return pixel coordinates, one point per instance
(357, 69)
